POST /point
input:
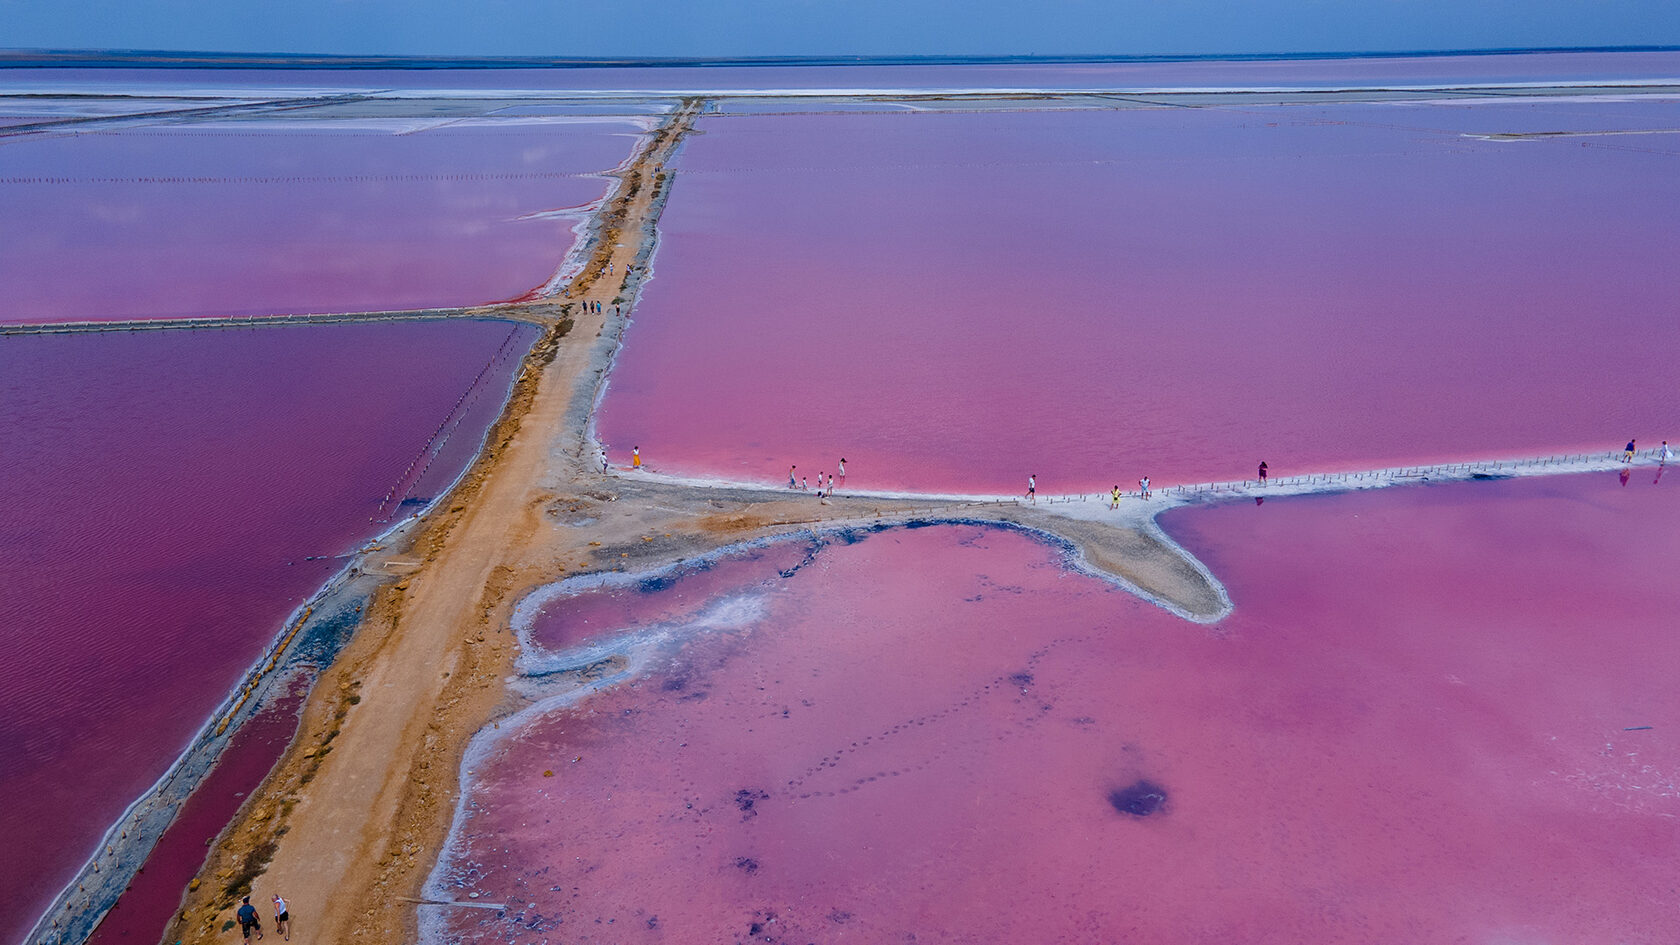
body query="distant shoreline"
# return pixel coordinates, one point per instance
(163, 59)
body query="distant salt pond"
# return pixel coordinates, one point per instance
(257, 218)
(171, 497)
(1358, 72)
(955, 301)
(1437, 713)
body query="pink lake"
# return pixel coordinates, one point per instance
(252, 218)
(1436, 714)
(173, 496)
(954, 301)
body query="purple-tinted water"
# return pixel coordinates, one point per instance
(1436, 714)
(166, 494)
(264, 218)
(1310, 73)
(956, 301)
(144, 910)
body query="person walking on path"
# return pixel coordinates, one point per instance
(1666, 454)
(803, 483)
(1143, 487)
(1114, 503)
(603, 452)
(1627, 454)
(247, 916)
(635, 457)
(1263, 470)
(792, 482)
(282, 917)
(1032, 489)
(830, 483)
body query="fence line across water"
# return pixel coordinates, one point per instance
(534, 313)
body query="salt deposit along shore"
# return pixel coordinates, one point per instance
(351, 820)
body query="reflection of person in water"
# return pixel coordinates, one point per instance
(1624, 477)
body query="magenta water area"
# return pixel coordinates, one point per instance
(172, 496)
(284, 218)
(956, 301)
(1436, 714)
(145, 909)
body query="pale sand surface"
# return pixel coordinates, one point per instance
(350, 822)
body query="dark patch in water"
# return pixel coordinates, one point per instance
(659, 582)
(664, 580)
(675, 684)
(761, 922)
(324, 636)
(810, 556)
(746, 864)
(1140, 800)
(1022, 680)
(746, 799)
(848, 536)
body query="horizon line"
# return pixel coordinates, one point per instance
(141, 58)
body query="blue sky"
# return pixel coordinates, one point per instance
(829, 27)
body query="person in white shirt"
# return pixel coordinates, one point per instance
(282, 917)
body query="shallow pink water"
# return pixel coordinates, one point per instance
(268, 218)
(958, 301)
(1424, 722)
(165, 492)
